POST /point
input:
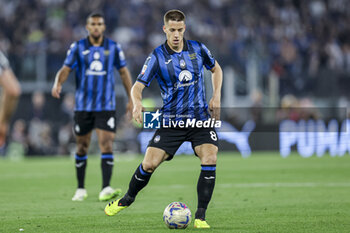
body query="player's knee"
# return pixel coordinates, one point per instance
(81, 151)
(209, 159)
(106, 146)
(82, 148)
(149, 166)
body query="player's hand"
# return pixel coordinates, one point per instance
(214, 107)
(137, 113)
(56, 90)
(129, 109)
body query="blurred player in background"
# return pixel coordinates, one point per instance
(178, 67)
(93, 59)
(10, 92)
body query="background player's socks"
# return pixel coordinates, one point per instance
(80, 166)
(205, 187)
(107, 163)
(138, 181)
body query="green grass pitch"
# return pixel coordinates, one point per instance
(263, 193)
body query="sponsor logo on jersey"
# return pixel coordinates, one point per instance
(96, 66)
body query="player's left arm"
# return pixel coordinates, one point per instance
(215, 101)
(127, 83)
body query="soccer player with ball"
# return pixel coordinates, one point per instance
(178, 67)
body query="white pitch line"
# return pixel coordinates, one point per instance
(286, 185)
(266, 185)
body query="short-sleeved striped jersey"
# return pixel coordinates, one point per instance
(94, 73)
(180, 77)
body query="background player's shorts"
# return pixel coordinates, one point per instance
(84, 121)
(170, 139)
(4, 63)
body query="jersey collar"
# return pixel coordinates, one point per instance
(171, 52)
(89, 43)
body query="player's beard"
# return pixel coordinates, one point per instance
(96, 38)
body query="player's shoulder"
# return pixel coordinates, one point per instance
(159, 49)
(156, 52)
(112, 42)
(75, 44)
(82, 41)
(195, 44)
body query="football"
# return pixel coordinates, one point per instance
(177, 215)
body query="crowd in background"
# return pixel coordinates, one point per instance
(297, 40)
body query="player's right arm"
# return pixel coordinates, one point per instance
(61, 77)
(148, 72)
(69, 63)
(9, 98)
(11, 91)
(8, 80)
(136, 96)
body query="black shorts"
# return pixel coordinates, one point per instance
(170, 139)
(84, 121)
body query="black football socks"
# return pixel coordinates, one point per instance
(107, 163)
(205, 187)
(138, 181)
(80, 166)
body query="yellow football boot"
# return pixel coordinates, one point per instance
(198, 223)
(113, 208)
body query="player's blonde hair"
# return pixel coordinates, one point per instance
(174, 15)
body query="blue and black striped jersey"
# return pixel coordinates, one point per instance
(180, 77)
(94, 76)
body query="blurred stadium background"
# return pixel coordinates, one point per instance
(284, 62)
(282, 55)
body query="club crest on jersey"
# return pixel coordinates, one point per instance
(96, 66)
(182, 64)
(185, 76)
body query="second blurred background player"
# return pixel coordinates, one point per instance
(93, 59)
(11, 90)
